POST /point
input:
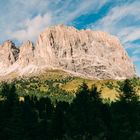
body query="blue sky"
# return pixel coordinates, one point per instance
(24, 19)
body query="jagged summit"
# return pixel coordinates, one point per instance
(88, 53)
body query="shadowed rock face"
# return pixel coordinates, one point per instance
(93, 54)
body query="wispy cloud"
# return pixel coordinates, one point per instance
(16, 13)
(135, 58)
(29, 18)
(136, 50)
(31, 28)
(117, 13)
(82, 8)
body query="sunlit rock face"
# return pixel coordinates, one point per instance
(26, 55)
(92, 54)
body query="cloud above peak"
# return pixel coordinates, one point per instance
(31, 28)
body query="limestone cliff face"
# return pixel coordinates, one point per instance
(93, 54)
(26, 55)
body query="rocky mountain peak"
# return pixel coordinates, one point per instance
(26, 47)
(26, 54)
(93, 54)
(8, 54)
(9, 46)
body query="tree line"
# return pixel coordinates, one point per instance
(87, 117)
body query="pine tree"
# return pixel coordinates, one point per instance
(127, 92)
(126, 113)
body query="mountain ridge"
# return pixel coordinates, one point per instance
(92, 54)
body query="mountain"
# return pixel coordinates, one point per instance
(86, 53)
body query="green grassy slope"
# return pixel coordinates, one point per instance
(61, 85)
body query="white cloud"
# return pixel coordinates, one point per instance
(31, 28)
(84, 7)
(131, 36)
(131, 45)
(118, 13)
(135, 58)
(14, 15)
(136, 51)
(71, 9)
